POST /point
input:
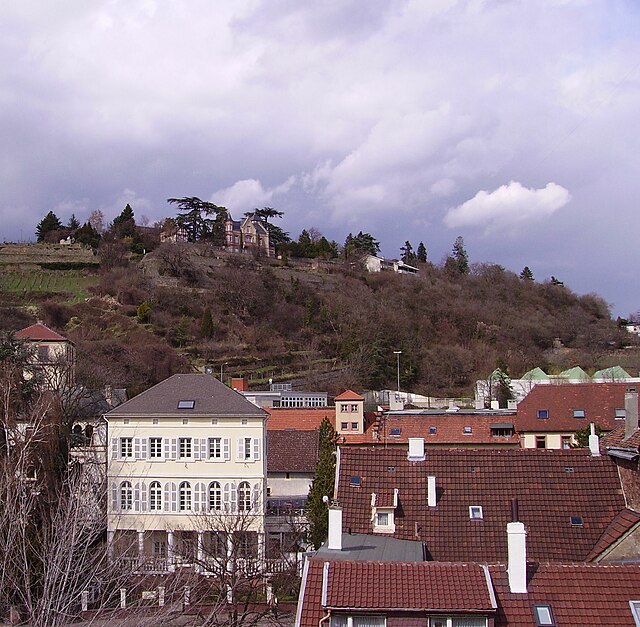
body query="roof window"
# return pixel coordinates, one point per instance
(186, 404)
(635, 610)
(432, 429)
(579, 413)
(468, 430)
(543, 615)
(576, 521)
(355, 481)
(621, 414)
(542, 413)
(395, 431)
(475, 512)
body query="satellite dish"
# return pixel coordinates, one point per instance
(325, 499)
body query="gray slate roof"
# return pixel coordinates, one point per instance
(211, 397)
(374, 548)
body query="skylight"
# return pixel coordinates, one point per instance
(355, 481)
(542, 413)
(395, 431)
(543, 616)
(468, 430)
(186, 404)
(576, 521)
(432, 429)
(475, 512)
(578, 413)
(635, 610)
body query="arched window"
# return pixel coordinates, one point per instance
(185, 496)
(155, 496)
(244, 497)
(215, 496)
(126, 495)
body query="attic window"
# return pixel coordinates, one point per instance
(186, 404)
(543, 616)
(635, 610)
(395, 431)
(578, 413)
(576, 521)
(432, 429)
(468, 430)
(475, 512)
(542, 413)
(621, 414)
(355, 481)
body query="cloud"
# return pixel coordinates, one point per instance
(249, 193)
(508, 206)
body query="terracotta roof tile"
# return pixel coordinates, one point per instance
(551, 487)
(349, 395)
(292, 451)
(40, 332)
(579, 594)
(619, 526)
(302, 418)
(616, 438)
(598, 400)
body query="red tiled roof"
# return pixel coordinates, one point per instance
(349, 395)
(449, 429)
(394, 586)
(579, 594)
(292, 451)
(40, 332)
(551, 486)
(616, 438)
(598, 400)
(301, 418)
(620, 525)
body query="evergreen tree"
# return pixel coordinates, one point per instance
(361, 244)
(207, 327)
(526, 274)
(421, 253)
(277, 236)
(460, 256)
(73, 223)
(88, 236)
(125, 224)
(408, 256)
(48, 224)
(323, 484)
(503, 388)
(194, 216)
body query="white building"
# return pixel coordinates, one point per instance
(187, 475)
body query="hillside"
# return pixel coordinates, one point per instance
(324, 325)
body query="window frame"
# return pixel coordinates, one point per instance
(476, 512)
(157, 453)
(155, 496)
(188, 448)
(537, 608)
(542, 414)
(126, 496)
(126, 447)
(185, 497)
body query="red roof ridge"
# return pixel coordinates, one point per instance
(39, 331)
(349, 395)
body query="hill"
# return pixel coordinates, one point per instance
(324, 324)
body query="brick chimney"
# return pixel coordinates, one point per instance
(239, 384)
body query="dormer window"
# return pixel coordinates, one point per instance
(542, 414)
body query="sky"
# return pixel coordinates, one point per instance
(513, 123)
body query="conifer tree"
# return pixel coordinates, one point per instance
(206, 326)
(421, 253)
(460, 256)
(526, 274)
(73, 223)
(48, 224)
(323, 484)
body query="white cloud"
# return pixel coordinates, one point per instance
(248, 194)
(508, 206)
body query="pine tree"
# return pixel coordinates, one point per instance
(73, 223)
(526, 274)
(422, 253)
(207, 327)
(323, 484)
(460, 256)
(48, 224)
(408, 256)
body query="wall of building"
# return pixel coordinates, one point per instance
(297, 485)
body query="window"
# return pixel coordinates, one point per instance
(579, 413)
(354, 426)
(357, 621)
(344, 426)
(215, 496)
(126, 495)
(621, 414)
(543, 616)
(244, 497)
(355, 481)
(43, 353)
(185, 447)
(155, 496)
(542, 413)
(433, 430)
(185, 496)
(215, 448)
(475, 512)
(468, 430)
(248, 449)
(395, 431)
(566, 442)
(344, 407)
(155, 448)
(576, 521)
(635, 610)
(126, 447)
(185, 421)
(541, 441)
(186, 404)
(159, 548)
(354, 408)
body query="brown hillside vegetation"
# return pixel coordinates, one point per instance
(327, 325)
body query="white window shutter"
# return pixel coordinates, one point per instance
(114, 448)
(226, 497)
(204, 448)
(143, 497)
(255, 496)
(167, 496)
(234, 498)
(174, 448)
(136, 497)
(240, 449)
(226, 444)
(144, 448)
(256, 448)
(167, 448)
(114, 497)
(199, 498)
(174, 497)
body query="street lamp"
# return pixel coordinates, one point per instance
(397, 354)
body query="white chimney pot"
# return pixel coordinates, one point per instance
(517, 550)
(334, 541)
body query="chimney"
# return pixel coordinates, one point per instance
(512, 403)
(495, 405)
(479, 404)
(630, 411)
(431, 491)
(517, 554)
(594, 441)
(416, 449)
(239, 384)
(334, 541)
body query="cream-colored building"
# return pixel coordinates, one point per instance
(187, 475)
